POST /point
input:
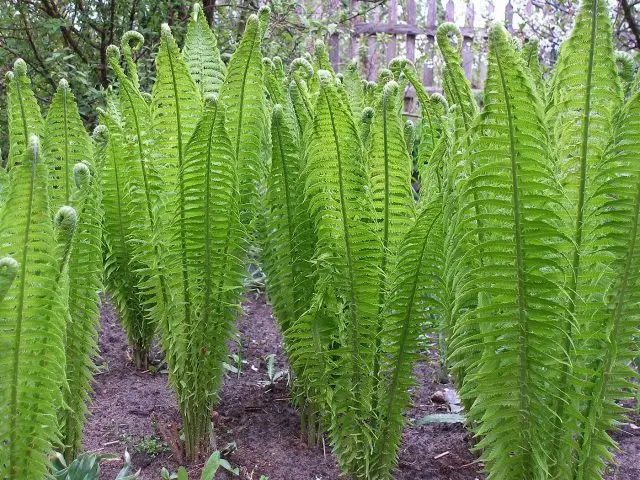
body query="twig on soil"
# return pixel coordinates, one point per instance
(440, 455)
(470, 464)
(110, 443)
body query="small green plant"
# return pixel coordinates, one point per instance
(214, 463)
(87, 467)
(152, 446)
(273, 375)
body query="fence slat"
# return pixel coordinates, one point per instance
(392, 43)
(411, 38)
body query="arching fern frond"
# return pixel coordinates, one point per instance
(23, 112)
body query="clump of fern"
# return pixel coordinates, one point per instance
(32, 317)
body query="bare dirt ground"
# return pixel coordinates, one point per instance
(258, 428)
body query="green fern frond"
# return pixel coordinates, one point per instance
(242, 95)
(413, 296)
(531, 60)
(626, 70)
(289, 243)
(585, 96)
(348, 253)
(131, 42)
(456, 86)
(31, 329)
(23, 112)
(66, 142)
(85, 283)
(201, 54)
(208, 233)
(517, 317)
(175, 108)
(120, 270)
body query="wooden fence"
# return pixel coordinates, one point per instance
(405, 32)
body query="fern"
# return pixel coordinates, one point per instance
(23, 112)
(413, 295)
(85, 282)
(144, 193)
(390, 173)
(348, 253)
(612, 345)
(290, 238)
(66, 143)
(120, 271)
(201, 54)
(31, 328)
(208, 229)
(583, 100)
(243, 97)
(520, 309)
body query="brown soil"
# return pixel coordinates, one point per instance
(256, 425)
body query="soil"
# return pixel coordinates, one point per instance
(257, 428)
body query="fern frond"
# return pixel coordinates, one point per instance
(201, 54)
(289, 243)
(120, 270)
(23, 112)
(611, 347)
(85, 283)
(348, 253)
(209, 232)
(66, 143)
(585, 96)
(131, 41)
(456, 86)
(517, 317)
(531, 60)
(31, 329)
(242, 95)
(175, 108)
(413, 297)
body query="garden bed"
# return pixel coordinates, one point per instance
(257, 425)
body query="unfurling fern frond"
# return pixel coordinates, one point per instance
(456, 86)
(65, 143)
(208, 232)
(513, 269)
(144, 193)
(201, 54)
(23, 112)
(131, 41)
(32, 330)
(85, 283)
